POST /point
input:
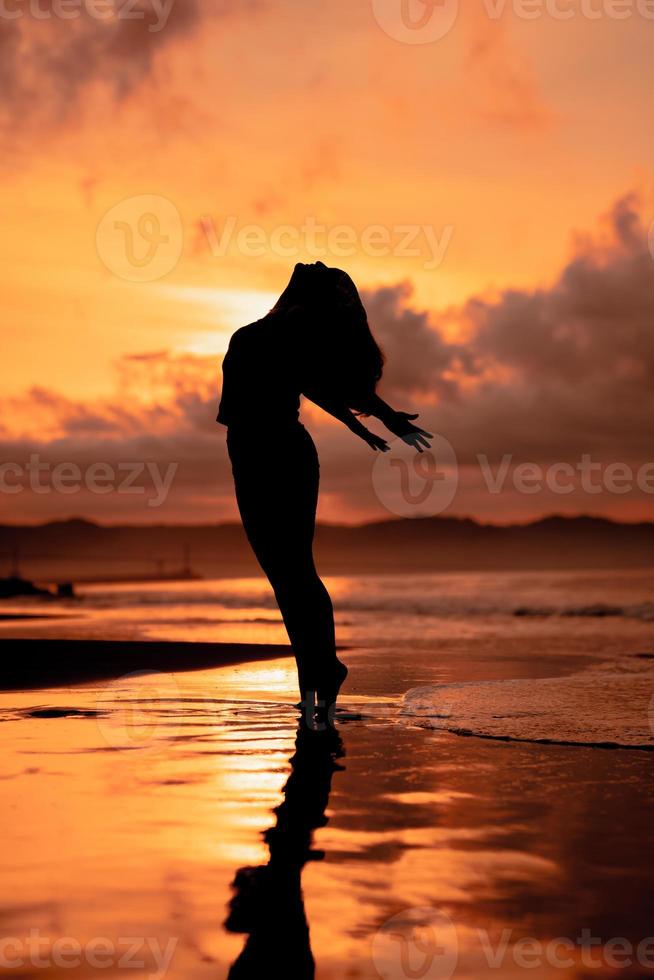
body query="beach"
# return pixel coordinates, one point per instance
(476, 813)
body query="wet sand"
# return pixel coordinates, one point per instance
(28, 662)
(386, 850)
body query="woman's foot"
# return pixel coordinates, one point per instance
(307, 705)
(307, 683)
(328, 692)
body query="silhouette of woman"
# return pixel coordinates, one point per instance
(314, 342)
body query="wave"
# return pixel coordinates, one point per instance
(427, 598)
(643, 611)
(595, 709)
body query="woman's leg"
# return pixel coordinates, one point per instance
(277, 500)
(308, 615)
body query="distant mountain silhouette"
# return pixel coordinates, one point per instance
(79, 549)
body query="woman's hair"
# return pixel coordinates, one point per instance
(344, 357)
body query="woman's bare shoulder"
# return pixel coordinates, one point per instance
(243, 334)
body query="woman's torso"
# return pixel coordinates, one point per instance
(260, 377)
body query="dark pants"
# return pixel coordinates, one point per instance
(276, 475)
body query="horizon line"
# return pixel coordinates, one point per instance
(454, 518)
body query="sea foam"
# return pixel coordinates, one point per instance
(599, 708)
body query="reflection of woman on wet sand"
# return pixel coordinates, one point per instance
(268, 902)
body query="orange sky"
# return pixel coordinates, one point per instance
(504, 140)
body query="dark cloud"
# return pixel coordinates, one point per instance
(48, 65)
(418, 359)
(568, 368)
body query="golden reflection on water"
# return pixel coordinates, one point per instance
(130, 812)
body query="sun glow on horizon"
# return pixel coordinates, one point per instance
(227, 309)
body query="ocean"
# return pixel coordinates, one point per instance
(554, 656)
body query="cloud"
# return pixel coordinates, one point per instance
(418, 358)
(162, 415)
(156, 392)
(49, 65)
(570, 367)
(545, 375)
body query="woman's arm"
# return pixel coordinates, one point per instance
(380, 409)
(399, 423)
(339, 410)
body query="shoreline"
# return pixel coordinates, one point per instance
(31, 663)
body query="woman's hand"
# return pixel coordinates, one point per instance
(401, 425)
(374, 441)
